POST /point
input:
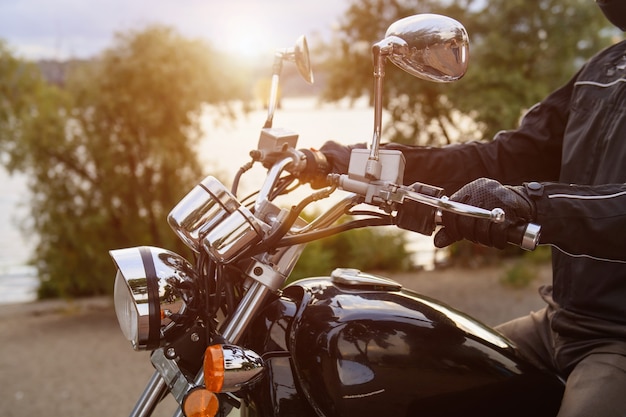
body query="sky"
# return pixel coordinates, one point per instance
(62, 29)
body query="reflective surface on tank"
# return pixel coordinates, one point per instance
(365, 352)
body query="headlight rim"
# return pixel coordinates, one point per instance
(159, 278)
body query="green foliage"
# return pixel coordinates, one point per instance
(471, 255)
(109, 154)
(520, 51)
(520, 275)
(364, 249)
(541, 255)
(524, 270)
(21, 86)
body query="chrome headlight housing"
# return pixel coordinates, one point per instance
(153, 289)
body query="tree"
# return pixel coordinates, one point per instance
(111, 152)
(21, 87)
(520, 51)
(531, 53)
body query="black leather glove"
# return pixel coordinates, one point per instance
(338, 156)
(487, 194)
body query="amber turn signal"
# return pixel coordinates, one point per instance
(214, 368)
(200, 403)
(227, 368)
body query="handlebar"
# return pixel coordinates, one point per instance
(385, 194)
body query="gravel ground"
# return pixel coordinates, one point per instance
(70, 359)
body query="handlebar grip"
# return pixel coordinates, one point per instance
(526, 236)
(316, 169)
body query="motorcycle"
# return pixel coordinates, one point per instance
(229, 337)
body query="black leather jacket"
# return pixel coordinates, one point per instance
(574, 142)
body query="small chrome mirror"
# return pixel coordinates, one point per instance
(429, 46)
(302, 60)
(299, 54)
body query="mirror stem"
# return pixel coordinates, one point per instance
(373, 168)
(271, 105)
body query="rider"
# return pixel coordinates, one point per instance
(565, 167)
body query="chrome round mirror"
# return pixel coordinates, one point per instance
(300, 55)
(429, 46)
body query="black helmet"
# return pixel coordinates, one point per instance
(615, 11)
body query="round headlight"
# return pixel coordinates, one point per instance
(126, 309)
(153, 289)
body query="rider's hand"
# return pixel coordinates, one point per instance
(338, 156)
(331, 158)
(316, 169)
(487, 194)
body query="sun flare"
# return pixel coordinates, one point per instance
(248, 37)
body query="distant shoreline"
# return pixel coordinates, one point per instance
(18, 284)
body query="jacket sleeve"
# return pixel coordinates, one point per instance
(532, 152)
(584, 220)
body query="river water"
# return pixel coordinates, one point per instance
(18, 281)
(224, 149)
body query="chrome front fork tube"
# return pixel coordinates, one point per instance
(152, 394)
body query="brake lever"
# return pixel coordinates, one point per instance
(381, 192)
(445, 204)
(526, 236)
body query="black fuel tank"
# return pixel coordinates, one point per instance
(361, 345)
